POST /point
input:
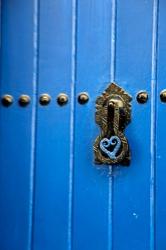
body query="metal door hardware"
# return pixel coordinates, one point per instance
(142, 97)
(44, 99)
(83, 98)
(113, 114)
(24, 100)
(7, 100)
(163, 95)
(62, 99)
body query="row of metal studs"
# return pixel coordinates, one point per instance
(142, 96)
(44, 99)
(62, 99)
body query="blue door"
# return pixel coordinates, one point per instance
(57, 57)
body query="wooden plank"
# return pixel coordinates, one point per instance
(132, 188)
(91, 182)
(51, 226)
(17, 124)
(160, 133)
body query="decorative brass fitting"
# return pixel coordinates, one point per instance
(163, 95)
(44, 99)
(7, 100)
(113, 114)
(62, 99)
(24, 100)
(142, 97)
(83, 98)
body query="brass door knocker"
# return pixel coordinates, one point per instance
(113, 114)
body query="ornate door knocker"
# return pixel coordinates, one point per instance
(113, 114)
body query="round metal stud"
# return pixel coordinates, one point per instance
(7, 100)
(163, 95)
(24, 100)
(44, 99)
(83, 98)
(142, 97)
(62, 99)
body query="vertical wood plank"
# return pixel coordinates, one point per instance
(16, 124)
(51, 225)
(131, 190)
(91, 183)
(160, 133)
(153, 124)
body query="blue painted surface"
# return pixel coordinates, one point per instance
(160, 133)
(131, 187)
(16, 124)
(52, 175)
(90, 200)
(52, 195)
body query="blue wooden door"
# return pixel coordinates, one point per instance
(52, 195)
